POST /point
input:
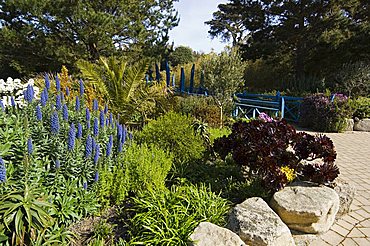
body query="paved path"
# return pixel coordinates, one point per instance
(353, 159)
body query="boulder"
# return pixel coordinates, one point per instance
(346, 193)
(257, 224)
(362, 125)
(306, 207)
(350, 124)
(207, 234)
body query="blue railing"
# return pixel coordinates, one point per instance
(246, 104)
(249, 105)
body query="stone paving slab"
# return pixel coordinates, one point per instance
(353, 160)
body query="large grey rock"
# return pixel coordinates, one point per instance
(208, 234)
(346, 193)
(350, 124)
(362, 125)
(257, 224)
(306, 207)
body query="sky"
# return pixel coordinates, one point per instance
(191, 30)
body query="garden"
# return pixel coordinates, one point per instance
(75, 172)
(114, 137)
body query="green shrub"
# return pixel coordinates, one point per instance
(361, 107)
(218, 132)
(173, 132)
(201, 108)
(147, 167)
(319, 113)
(143, 167)
(169, 217)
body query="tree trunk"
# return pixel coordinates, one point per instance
(300, 48)
(221, 116)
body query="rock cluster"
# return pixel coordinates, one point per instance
(301, 208)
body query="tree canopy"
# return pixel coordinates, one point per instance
(307, 37)
(181, 55)
(40, 35)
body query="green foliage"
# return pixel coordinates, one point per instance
(122, 85)
(320, 114)
(294, 40)
(173, 132)
(181, 55)
(143, 167)
(169, 217)
(218, 133)
(147, 166)
(103, 233)
(354, 79)
(223, 76)
(63, 32)
(66, 176)
(202, 108)
(361, 107)
(24, 214)
(224, 178)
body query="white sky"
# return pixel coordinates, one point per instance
(191, 30)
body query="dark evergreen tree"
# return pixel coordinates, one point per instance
(41, 35)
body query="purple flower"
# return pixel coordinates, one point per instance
(79, 130)
(124, 134)
(85, 185)
(38, 113)
(65, 112)
(44, 97)
(2, 171)
(67, 91)
(29, 146)
(111, 119)
(81, 88)
(120, 147)
(78, 105)
(95, 105)
(109, 145)
(54, 123)
(88, 114)
(47, 81)
(71, 137)
(57, 83)
(58, 102)
(89, 146)
(96, 127)
(119, 132)
(29, 94)
(97, 153)
(2, 106)
(130, 136)
(105, 109)
(96, 179)
(93, 144)
(264, 117)
(12, 102)
(57, 164)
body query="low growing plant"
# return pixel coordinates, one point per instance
(170, 216)
(361, 107)
(270, 151)
(143, 167)
(321, 113)
(174, 132)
